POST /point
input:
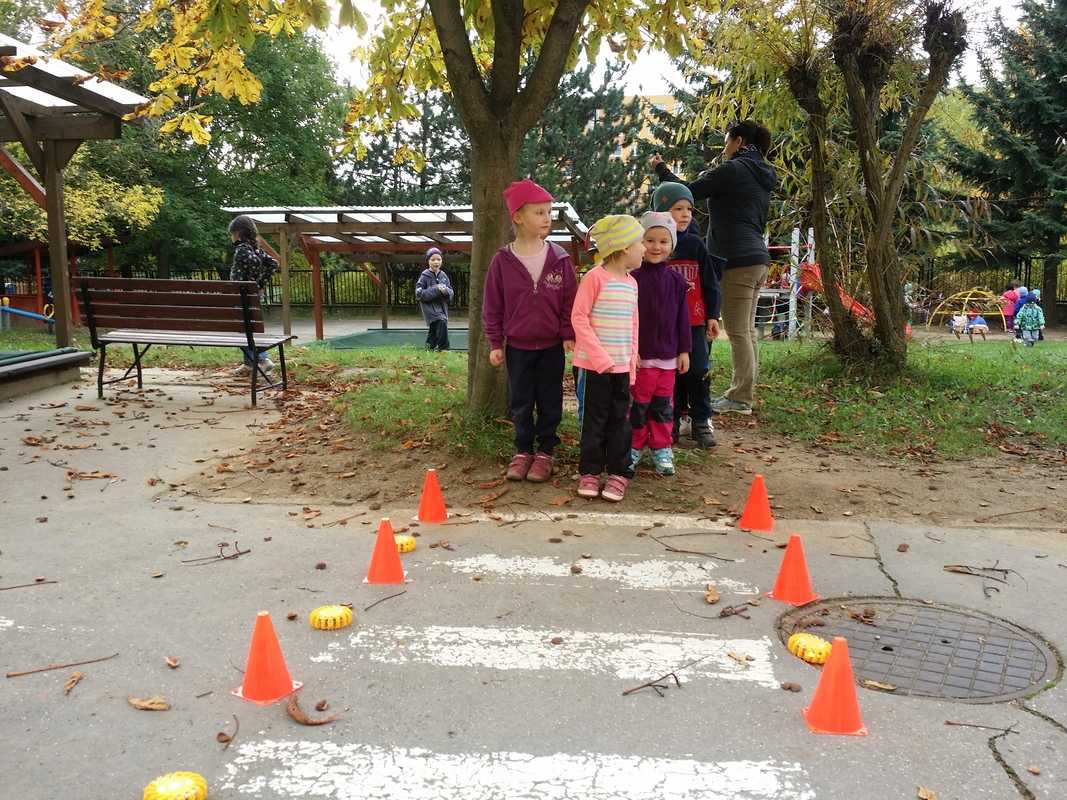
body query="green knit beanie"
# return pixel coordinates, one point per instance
(668, 193)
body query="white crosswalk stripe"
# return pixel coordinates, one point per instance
(295, 769)
(654, 574)
(624, 655)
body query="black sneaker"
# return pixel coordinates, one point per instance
(704, 434)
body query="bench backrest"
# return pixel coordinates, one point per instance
(227, 306)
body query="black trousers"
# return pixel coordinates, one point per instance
(437, 336)
(692, 391)
(606, 431)
(535, 383)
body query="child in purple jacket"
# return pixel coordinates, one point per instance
(526, 312)
(664, 342)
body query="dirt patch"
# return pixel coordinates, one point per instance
(312, 455)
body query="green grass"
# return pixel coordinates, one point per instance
(956, 400)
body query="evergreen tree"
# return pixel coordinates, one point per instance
(578, 150)
(1022, 168)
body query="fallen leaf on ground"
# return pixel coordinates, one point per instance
(560, 501)
(902, 548)
(42, 519)
(926, 794)
(290, 616)
(444, 544)
(557, 640)
(576, 569)
(153, 703)
(321, 565)
(72, 681)
(223, 738)
(85, 476)
(491, 484)
(711, 596)
(32, 441)
(490, 498)
(1033, 769)
(322, 705)
(740, 659)
(791, 687)
(173, 662)
(299, 715)
(885, 687)
(555, 540)
(816, 509)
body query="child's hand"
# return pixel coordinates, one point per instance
(496, 357)
(638, 360)
(568, 345)
(683, 363)
(713, 329)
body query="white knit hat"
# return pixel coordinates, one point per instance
(661, 219)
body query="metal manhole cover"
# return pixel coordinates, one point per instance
(932, 650)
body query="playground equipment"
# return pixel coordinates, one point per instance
(7, 311)
(977, 300)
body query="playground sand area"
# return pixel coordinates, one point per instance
(312, 455)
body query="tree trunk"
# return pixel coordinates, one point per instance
(494, 161)
(1050, 281)
(887, 287)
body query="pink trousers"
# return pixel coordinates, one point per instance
(651, 413)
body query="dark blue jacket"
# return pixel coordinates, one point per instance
(433, 293)
(702, 272)
(738, 194)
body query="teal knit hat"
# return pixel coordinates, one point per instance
(668, 193)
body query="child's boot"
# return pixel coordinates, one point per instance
(663, 460)
(704, 434)
(635, 457)
(541, 469)
(520, 466)
(589, 486)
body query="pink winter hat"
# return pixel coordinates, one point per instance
(525, 191)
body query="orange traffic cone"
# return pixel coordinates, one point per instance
(266, 676)
(757, 514)
(432, 505)
(793, 585)
(835, 708)
(385, 566)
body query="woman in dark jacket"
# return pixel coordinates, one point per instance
(738, 194)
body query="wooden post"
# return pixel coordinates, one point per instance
(316, 289)
(283, 264)
(40, 279)
(57, 243)
(75, 312)
(383, 294)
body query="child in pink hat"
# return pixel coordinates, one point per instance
(526, 312)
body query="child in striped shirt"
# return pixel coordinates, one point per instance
(604, 319)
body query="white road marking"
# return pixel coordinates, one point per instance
(626, 656)
(6, 623)
(294, 769)
(658, 574)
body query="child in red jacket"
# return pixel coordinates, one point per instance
(526, 312)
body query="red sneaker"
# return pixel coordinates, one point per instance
(519, 466)
(615, 488)
(589, 486)
(541, 470)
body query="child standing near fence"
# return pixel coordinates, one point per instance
(605, 321)
(526, 312)
(664, 342)
(1030, 321)
(434, 292)
(692, 260)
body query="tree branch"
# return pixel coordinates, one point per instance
(556, 49)
(468, 88)
(507, 54)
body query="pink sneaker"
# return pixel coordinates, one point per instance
(615, 488)
(589, 486)
(541, 470)
(519, 466)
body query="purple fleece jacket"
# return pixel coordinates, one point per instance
(662, 310)
(529, 317)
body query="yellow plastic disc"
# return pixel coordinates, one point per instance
(809, 647)
(177, 786)
(404, 543)
(330, 618)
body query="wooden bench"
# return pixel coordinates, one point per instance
(193, 313)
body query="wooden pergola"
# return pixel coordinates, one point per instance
(376, 237)
(50, 108)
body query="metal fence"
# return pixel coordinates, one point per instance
(357, 289)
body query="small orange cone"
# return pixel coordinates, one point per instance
(266, 676)
(835, 708)
(794, 584)
(432, 504)
(757, 514)
(385, 566)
